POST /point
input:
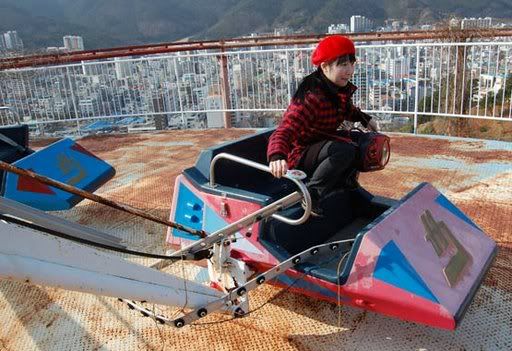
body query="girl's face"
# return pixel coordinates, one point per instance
(338, 73)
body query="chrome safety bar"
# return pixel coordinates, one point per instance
(293, 175)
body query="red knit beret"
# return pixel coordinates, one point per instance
(332, 47)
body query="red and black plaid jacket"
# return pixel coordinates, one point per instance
(306, 122)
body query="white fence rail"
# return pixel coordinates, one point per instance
(469, 80)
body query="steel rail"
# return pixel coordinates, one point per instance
(223, 44)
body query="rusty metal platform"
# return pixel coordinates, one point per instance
(474, 174)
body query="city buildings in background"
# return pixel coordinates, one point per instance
(71, 43)
(185, 91)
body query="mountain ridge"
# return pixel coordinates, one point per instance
(108, 23)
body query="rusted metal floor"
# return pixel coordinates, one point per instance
(476, 175)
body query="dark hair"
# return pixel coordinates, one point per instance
(345, 58)
(317, 81)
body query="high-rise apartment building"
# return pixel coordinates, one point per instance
(73, 43)
(11, 41)
(360, 24)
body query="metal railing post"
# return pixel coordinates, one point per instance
(288, 77)
(416, 93)
(74, 102)
(224, 91)
(183, 121)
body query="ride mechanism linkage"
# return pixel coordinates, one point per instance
(231, 275)
(236, 299)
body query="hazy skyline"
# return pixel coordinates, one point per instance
(107, 23)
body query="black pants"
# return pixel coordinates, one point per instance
(328, 164)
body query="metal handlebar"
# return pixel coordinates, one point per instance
(292, 175)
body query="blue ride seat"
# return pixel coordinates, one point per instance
(237, 180)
